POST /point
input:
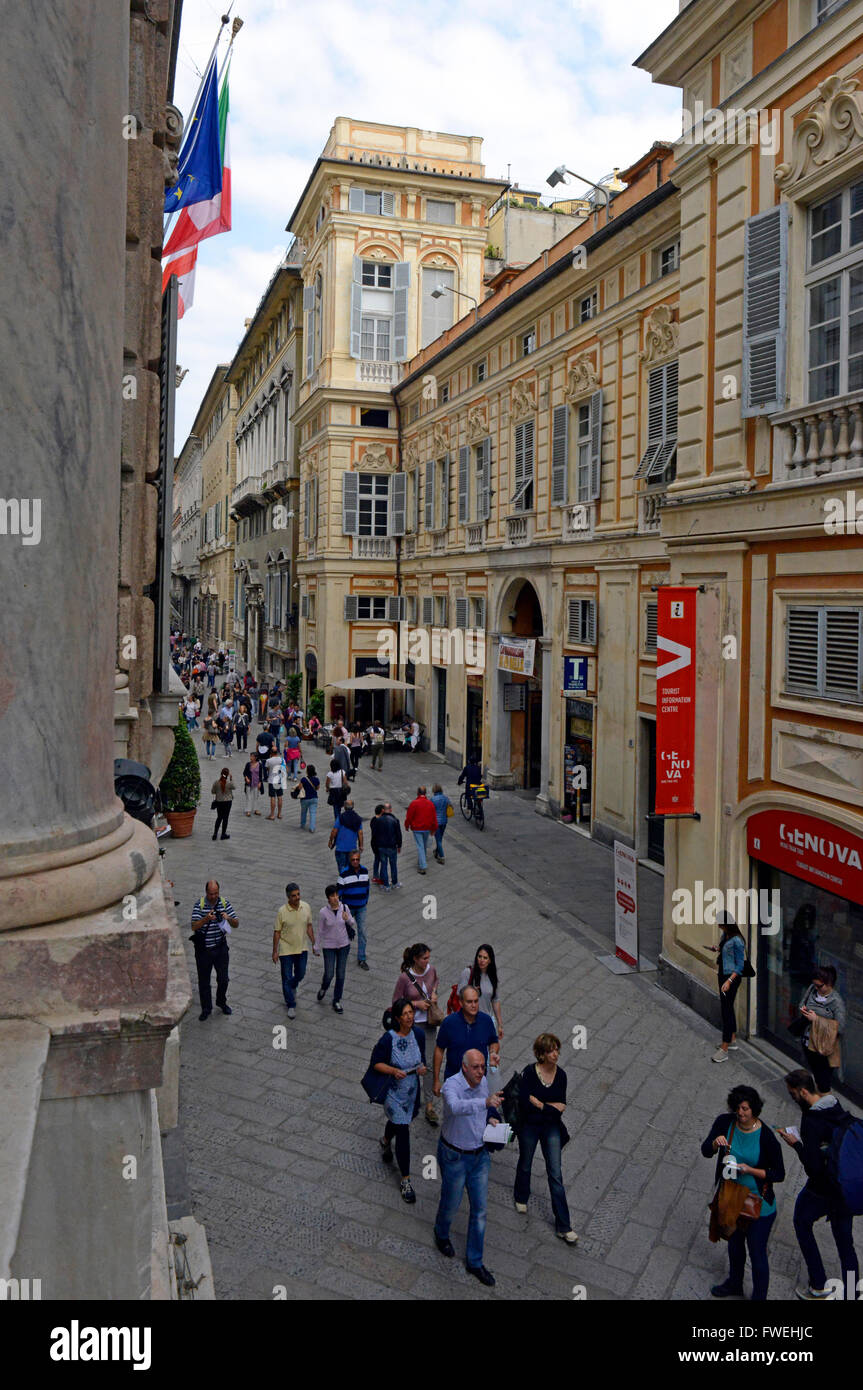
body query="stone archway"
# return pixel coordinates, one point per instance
(519, 691)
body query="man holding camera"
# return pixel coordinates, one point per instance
(212, 918)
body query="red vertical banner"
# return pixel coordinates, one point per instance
(675, 700)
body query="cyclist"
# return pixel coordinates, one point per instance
(471, 775)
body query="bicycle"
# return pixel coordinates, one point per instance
(473, 806)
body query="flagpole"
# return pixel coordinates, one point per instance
(194, 107)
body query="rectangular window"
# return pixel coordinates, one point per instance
(437, 311)
(415, 412)
(379, 204)
(373, 504)
(824, 652)
(479, 370)
(667, 259)
(650, 622)
(375, 339)
(441, 609)
(834, 285)
(371, 607)
(377, 275)
(444, 394)
(374, 419)
(528, 343)
(478, 605)
(588, 306)
(825, 8)
(437, 211)
(582, 447)
(581, 622)
(522, 497)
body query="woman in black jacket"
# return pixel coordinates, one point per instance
(753, 1153)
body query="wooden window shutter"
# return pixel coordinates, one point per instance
(401, 285)
(356, 200)
(801, 649)
(765, 297)
(398, 503)
(351, 504)
(559, 454)
(596, 443)
(444, 491)
(429, 495)
(485, 489)
(428, 611)
(463, 476)
(388, 204)
(461, 612)
(842, 653)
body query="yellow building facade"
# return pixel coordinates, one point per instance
(214, 425)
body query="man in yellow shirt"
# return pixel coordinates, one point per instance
(293, 922)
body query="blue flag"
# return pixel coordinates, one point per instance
(200, 163)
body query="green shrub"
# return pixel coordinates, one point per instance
(181, 785)
(294, 687)
(316, 704)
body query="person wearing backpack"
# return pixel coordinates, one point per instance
(829, 1183)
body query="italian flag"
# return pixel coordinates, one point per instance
(201, 220)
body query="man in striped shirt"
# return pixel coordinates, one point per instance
(212, 915)
(354, 889)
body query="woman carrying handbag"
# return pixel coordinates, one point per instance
(418, 982)
(748, 1164)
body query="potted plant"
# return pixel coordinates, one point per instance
(180, 787)
(316, 704)
(294, 687)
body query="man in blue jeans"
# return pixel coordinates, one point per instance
(388, 835)
(354, 889)
(821, 1115)
(463, 1159)
(346, 835)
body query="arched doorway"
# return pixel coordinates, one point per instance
(518, 714)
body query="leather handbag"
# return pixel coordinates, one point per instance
(733, 1203)
(453, 1005)
(824, 1039)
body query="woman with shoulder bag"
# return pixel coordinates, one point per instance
(821, 1050)
(336, 787)
(418, 982)
(336, 931)
(748, 1163)
(398, 1059)
(731, 965)
(307, 795)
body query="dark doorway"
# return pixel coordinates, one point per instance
(534, 739)
(440, 732)
(473, 731)
(655, 828)
(370, 704)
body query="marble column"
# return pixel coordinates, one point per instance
(88, 941)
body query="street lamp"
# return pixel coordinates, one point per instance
(448, 289)
(559, 174)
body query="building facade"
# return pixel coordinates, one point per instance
(214, 426)
(265, 375)
(763, 511)
(393, 222)
(185, 537)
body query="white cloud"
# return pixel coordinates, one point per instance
(542, 84)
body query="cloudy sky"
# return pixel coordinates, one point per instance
(544, 83)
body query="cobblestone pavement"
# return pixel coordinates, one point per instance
(281, 1145)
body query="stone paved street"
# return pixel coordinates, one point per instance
(281, 1145)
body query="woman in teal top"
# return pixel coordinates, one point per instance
(740, 1134)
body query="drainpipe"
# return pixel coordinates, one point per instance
(398, 539)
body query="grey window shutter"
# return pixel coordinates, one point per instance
(356, 200)
(650, 626)
(485, 476)
(661, 421)
(388, 204)
(765, 297)
(428, 611)
(596, 442)
(351, 504)
(559, 454)
(843, 653)
(307, 510)
(463, 471)
(393, 608)
(429, 495)
(314, 508)
(401, 285)
(591, 622)
(461, 612)
(304, 606)
(415, 501)
(801, 649)
(308, 298)
(444, 491)
(351, 608)
(356, 306)
(398, 503)
(310, 340)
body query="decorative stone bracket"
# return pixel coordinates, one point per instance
(660, 335)
(375, 458)
(477, 424)
(523, 402)
(582, 378)
(832, 125)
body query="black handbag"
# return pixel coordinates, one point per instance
(213, 804)
(797, 1027)
(748, 972)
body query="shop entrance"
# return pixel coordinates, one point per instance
(473, 730)
(440, 709)
(370, 704)
(578, 762)
(655, 828)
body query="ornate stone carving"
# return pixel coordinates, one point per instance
(833, 123)
(443, 262)
(660, 334)
(377, 253)
(737, 67)
(412, 454)
(523, 402)
(376, 457)
(173, 140)
(582, 378)
(440, 438)
(477, 423)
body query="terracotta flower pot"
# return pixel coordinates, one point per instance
(182, 823)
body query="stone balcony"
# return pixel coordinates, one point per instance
(519, 529)
(438, 542)
(409, 547)
(377, 373)
(374, 548)
(244, 494)
(578, 521)
(813, 440)
(650, 511)
(474, 535)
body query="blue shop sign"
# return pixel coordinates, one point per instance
(575, 675)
